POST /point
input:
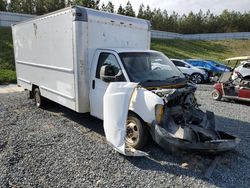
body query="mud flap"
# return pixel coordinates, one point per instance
(116, 103)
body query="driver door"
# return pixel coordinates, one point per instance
(98, 85)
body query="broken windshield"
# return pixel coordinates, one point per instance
(149, 67)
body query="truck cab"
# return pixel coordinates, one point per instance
(150, 69)
(147, 67)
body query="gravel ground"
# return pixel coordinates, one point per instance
(56, 147)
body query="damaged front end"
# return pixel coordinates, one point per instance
(181, 125)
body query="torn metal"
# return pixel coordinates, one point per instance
(116, 103)
(184, 126)
(178, 122)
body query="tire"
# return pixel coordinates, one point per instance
(137, 133)
(196, 78)
(216, 95)
(39, 100)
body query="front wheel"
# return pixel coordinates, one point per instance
(137, 132)
(196, 78)
(216, 95)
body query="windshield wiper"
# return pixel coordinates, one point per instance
(173, 79)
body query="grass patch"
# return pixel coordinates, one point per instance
(7, 62)
(7, 76)
(198, 49)
(6, 49)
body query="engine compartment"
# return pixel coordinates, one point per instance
(185, 126)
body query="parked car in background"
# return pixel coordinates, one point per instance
(243, 70)
(211, 67)
(194, 74)
(218, 64)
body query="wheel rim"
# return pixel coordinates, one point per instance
(196, 78)
(38, 99)
(215, 95)
(132, 134)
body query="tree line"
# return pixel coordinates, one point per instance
(227, 21)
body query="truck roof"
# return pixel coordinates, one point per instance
(86, 14)
(122, 50)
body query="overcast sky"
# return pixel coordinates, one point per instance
(185, 6)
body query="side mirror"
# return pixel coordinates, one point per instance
(109, 73)
(187, 66)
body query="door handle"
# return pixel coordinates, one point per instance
(93, 84)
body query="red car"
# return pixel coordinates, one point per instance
(236, 89)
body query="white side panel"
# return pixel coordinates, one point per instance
(115, 31)
(44, 56)
(116, 103)
(54, 85)
(47, 41)
(143, 103)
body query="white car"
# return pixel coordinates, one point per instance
(242, 70)
(195, 74)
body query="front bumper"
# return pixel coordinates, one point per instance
(171, 143)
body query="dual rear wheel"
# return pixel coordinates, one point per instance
(39, 99)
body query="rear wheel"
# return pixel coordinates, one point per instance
(216, 95)
(137, 132)
(39, 100)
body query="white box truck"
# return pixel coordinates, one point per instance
(98, 62)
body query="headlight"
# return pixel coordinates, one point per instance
(159, 112)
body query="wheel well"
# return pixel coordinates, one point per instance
(246, 77)
(31, 93)
(196, 73)
(135, 114)
(34, 87)
(132, 112)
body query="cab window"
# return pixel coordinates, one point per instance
(108, 68)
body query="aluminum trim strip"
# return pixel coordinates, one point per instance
(56, 92)
(46, 66)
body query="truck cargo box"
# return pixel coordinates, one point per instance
(55, 51)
